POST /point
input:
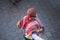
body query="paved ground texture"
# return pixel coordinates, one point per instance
(48, 12)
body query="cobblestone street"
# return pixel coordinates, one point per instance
(47, 11)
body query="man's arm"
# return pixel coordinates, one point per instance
(41, 24)
(18, 24)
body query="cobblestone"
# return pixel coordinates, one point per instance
(9, 15)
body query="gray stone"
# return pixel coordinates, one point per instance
(48, 11)
(48, 34)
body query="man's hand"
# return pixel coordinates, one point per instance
(42, 29)
(18, 24)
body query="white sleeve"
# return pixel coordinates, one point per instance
(35, 37)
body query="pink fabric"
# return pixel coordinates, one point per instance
(32, 26)
(29, 24)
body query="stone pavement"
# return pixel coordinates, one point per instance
(9, 15)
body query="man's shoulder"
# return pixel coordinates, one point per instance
(35, 22)
(25, 17)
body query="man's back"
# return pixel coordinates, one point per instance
(33, 25)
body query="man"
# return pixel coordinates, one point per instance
(30, 24)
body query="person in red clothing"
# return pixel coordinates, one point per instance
(30, 24)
